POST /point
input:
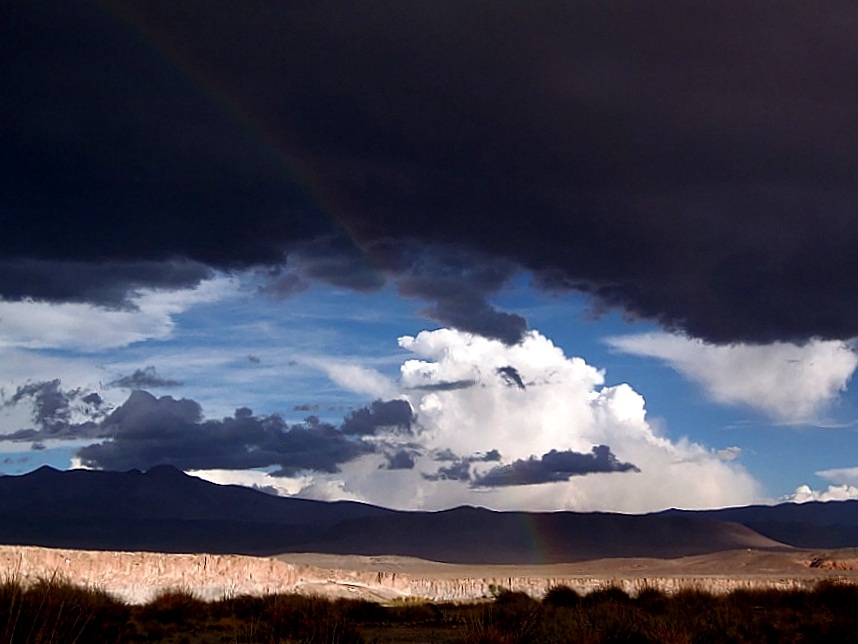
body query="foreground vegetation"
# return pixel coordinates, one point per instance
(57, 612)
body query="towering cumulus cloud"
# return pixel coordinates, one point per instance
(482, 436)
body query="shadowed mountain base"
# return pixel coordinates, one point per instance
(165, 510)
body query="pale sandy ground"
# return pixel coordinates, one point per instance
(717, 573)
(733, 563)
(138, 576)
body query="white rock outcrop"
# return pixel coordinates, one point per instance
(136, 577)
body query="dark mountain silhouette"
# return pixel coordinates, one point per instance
(815, 524)
(165, 510)
(162, 510)
(479, 536)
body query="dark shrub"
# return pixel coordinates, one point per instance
(653, 601)
(308, 619)
(177, 607)
(53, 610)
(561, 597)
(609, 594)
(838, 597)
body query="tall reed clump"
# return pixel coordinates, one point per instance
(56, 611)
(825, 614)
(297, 618)
(52, 611)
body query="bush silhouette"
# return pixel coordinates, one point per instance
(54, 611)
(561, 597)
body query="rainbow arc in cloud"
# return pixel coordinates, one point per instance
(273, 143)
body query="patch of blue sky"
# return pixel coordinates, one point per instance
(569, 322)
(22, 457)
(258, 352)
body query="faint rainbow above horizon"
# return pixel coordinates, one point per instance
(298, 169)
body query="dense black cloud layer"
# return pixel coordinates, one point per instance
(553, 467)
(106, 283)
(693, 163)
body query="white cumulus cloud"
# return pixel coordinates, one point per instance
(787, 382)
(804, 493)
(252, 478)
(481, 405)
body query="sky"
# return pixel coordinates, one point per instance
(542, 256)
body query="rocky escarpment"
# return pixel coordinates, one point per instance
(138, 576)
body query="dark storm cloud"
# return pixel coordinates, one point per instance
(458, 282)
(381, 414)
(333, 260)
(553, 467)
(146, 378)
(688, 162)
(146, 431)
(107, 283)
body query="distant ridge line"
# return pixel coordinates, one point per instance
(166, 510)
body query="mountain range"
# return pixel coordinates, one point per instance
(165, 510)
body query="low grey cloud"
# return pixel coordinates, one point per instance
(51, 412)
(146, 431)
(399, 460)
(391, 414)
(553, 467)
(146, 378)
(449, 385)
(511, 376)
(53, 409)
(459, 468)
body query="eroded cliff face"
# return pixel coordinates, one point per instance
(138, 576)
